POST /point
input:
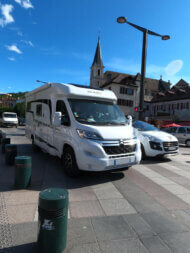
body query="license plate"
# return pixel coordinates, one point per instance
(120, 162)
(171, 148)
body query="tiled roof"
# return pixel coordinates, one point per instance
(173, 94)
(121, 78)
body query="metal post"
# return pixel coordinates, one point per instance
(143, 71)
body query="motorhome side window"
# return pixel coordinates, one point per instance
(39, 110)
(60, 107)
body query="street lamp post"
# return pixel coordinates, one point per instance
(145, 31)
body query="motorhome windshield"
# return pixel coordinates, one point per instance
(97, 112)
(9, 115)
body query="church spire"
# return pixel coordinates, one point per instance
(97, 68)
(98, 56)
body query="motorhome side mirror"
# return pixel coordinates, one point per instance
(129, 119)
(57, 118)
(65, 120)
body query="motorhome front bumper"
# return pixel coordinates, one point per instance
(112, 155)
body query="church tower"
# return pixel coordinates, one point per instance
(97, 69)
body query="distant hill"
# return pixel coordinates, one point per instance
(16, 95)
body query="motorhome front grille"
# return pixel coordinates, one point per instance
(122, 149)
(169, 145)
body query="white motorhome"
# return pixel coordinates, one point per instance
(82, 126)
(9, 119)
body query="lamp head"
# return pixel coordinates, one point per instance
(165, 37)
(122, 20)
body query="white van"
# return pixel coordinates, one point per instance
(9, 119)
(82, 126)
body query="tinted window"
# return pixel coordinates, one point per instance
(39, 110)
(61, 107)
(188, 130)
(182, 130)
(173, 129)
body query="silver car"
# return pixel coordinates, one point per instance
(182, 133)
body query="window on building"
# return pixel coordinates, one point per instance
(178, 106)
(98, 72)
(187, 105)
(39, 110)
(152, 94)
(181, 106)
(125, 102)
(129, 91)
(146, 92)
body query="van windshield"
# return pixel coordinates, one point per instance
(97, 112)
(9, 115)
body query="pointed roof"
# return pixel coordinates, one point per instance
(98, 56)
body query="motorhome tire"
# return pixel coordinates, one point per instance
(69, 162)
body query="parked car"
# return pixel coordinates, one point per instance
(155, 142)
(182, 133)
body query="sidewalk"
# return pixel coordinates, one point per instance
(108, 212)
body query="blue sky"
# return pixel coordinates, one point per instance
(55, 40)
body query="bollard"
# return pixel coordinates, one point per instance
(4, 142)
(52, 220)
(23, 168)
(2, 135)
(10, 153)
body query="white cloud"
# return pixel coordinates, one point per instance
(9, 88)
(169, 72)
(28, 42)
(14, 48)
(173, 67)
(6, 18)
(25, 3)
(11, 58)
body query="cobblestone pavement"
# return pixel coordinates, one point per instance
(143, 209)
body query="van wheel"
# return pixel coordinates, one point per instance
(188, 143)
(69, 163)
(143, 152)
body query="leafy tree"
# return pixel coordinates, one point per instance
(20, 109)
(5, 109)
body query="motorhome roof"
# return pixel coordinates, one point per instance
(72, 90)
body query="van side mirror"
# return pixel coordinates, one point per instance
(57, 118)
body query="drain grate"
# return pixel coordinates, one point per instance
(6, 240)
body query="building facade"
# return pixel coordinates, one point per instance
(172, 105)
(7, 101)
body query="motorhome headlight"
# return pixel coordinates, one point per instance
(88, 135)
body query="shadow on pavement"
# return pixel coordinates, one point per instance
(26, 248)
(155, 160)
(47, 171)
